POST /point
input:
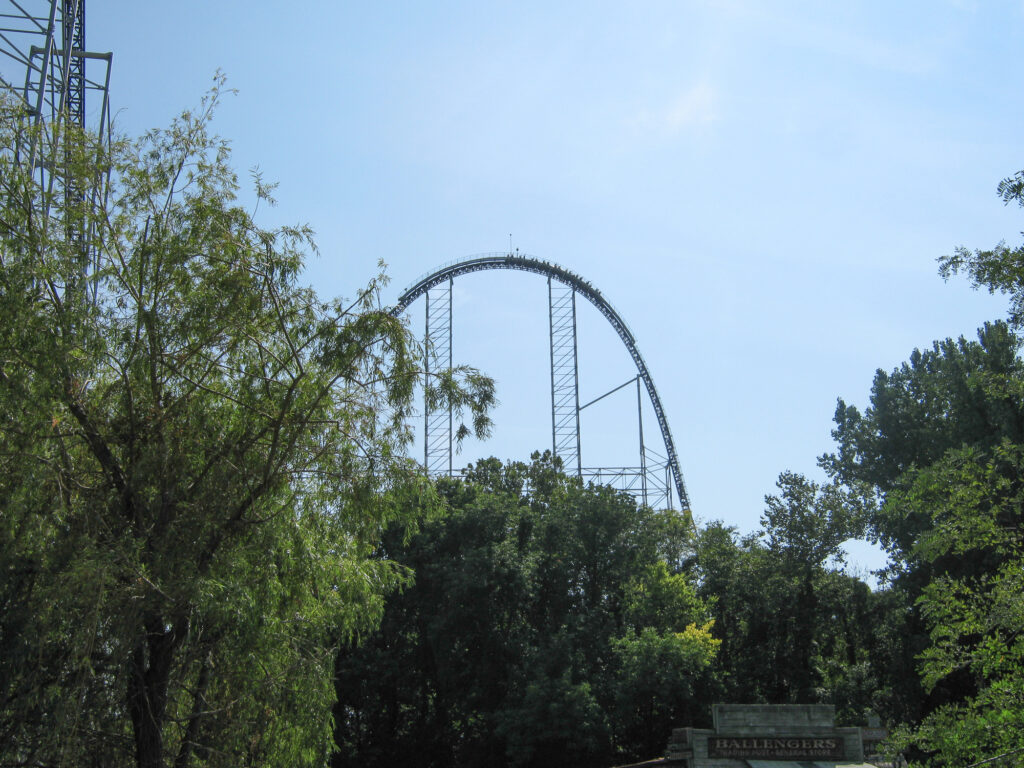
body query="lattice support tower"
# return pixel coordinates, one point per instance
(437, 434)
(73, 47)
(43, 65)
(565, 383)
(73, 41)
(643, 451)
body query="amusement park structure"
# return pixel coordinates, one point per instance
(43, 63)
(43, 68)
(656, 477)
(43, 60)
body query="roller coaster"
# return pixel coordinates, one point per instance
(653, 481)
(43, 60)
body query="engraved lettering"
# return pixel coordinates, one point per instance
(774, 747)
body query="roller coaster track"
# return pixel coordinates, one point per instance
(522, 263)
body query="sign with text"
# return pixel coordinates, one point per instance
(776, 747)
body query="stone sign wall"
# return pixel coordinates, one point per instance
(784, 733)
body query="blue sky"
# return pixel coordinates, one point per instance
(761, 188)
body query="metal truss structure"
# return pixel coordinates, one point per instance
(437, 443)
(656, 477)
(565, 380)
(43, 66)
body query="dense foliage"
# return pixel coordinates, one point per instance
(941, 446)
(967, 507)
(194, 454)
(545, 626)
(794, 627)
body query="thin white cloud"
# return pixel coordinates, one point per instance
(695, 107)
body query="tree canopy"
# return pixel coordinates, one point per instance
(942, 444)
(543, 627)
(196, 450)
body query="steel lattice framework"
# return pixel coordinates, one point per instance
(655, 477)
(565, 380)
(43, 66)
(43, 61)
(437, 445)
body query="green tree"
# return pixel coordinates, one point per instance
(661, 682)
(956, 394)
(543, 623)
(968, 506)
(942, 446)
(976, 622)
(1001, 269)
(194, 452)
(793, 626)
(805, 526)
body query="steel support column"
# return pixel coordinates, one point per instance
(73, 44)
(437, 427)
(73, 108)
(643, 450)
(43, 64)
(565, 385)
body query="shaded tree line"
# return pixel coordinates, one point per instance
(548, 623)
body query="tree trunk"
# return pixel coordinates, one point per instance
(806, 616)
(150, 663)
